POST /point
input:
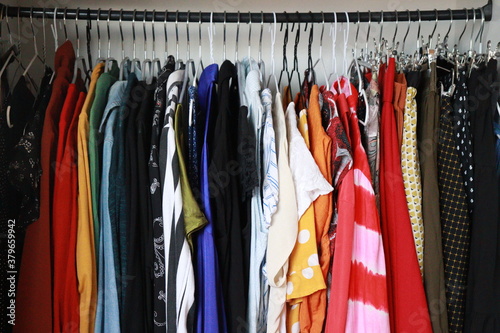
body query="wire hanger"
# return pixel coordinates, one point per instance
(200, 66)
(178, 61)
(110, 61)
(136, 62)
(455, 48)
(125, 64)
(14, 50)
(79, 59)
(366, 54)
(262, 66)
(224, 38)
(189, 64)
(156, 62)
(406, 34)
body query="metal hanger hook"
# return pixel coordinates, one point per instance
(188, 49)
(465, 26)
(224, 36)
(109, 35)
(98, 33)
(121, 33)
(237, 36)
(153, 33)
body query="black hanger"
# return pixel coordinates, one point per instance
(295, 68)
(285, 60)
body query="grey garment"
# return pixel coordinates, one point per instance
(428, 136)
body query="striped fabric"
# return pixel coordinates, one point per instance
(270, 182)
(178, 265)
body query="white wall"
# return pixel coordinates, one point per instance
(490, 32)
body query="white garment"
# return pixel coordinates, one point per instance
(283, 229)
(181, 286)
(308, 179)
(257, 281)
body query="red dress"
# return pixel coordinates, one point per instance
(407, 303)
(66, 300)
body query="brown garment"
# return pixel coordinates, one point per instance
(428, 136)
(399, 104)
(34, 298)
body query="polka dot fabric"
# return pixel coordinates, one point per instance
(455, 222)
(462, 134)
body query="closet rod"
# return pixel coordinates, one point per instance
(256, 17)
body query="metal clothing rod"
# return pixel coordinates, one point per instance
(243, 17)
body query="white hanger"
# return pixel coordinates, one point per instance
(320, 57)
(211, 33)
(272, 29)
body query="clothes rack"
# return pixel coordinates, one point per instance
(245, 17)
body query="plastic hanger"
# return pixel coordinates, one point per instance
(36, 56)
(320, 57)
(136, 62)
(125, 64)
(333, 33)
(211, 33)
(262, 66)
(99, 57)
(165, 34)
(109, 59)
(249, 34)
(272, 30)
(295, 68)
(200, 66)
(312, 74)
(156, 62)
(79, 60)
(14, 49)
(189, 64)
(285, 60)
(147, 65)
(346, 41)
(178, 61)
(236, 59)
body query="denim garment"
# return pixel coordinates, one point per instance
(103, 85)
(108, 314)
(210, 311)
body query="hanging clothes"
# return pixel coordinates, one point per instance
(65, 212)
(226, 198)
(410, 167)
(403, 274)
(210, 315)
(482, 306)
(86, 261)
(35, 279)
(155, 192)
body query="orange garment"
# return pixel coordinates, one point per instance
(313, 307)
(399, 104)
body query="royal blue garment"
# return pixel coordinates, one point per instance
(210, 309)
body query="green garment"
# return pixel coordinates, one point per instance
(194, 219)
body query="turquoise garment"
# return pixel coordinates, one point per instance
(109, 277)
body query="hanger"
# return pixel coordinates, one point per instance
(189, 63)
(249, 33)
(109, 60)
(156, 62)
(237, 38)
(295, 68)
(262, 66)
(147, 65)
(480, 32)
(365, 56)
(471, 42)
(224, 38)
(310, 67)
(211, 33)
(125, 64)
(272, 30)
(285, 60)
(346, 41)
(200, 66)
(166, 37)
(320, 57)
(99, 57)
(431, 36)
(136, 62)
(79, 59)
(406, 34)
(14, 51)
(178, 61)
(455, 48)
(36, 56)
(333, 33)
(395, 45)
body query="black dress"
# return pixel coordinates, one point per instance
(483, 292)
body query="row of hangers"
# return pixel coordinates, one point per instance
(368, 58)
